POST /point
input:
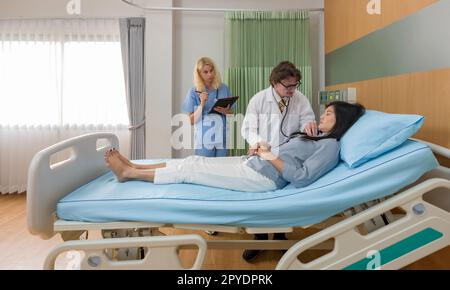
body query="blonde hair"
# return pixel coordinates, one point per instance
(198, 81)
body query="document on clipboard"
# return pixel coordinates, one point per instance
(223, 103)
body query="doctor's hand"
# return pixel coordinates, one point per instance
(311, 129)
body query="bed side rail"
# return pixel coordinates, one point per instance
(424, 222)
(161, 253)
(440, 150)
(48, 183)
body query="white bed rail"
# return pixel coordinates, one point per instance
(161, 253)
(440, 150)
(350, 246)
(48, 183)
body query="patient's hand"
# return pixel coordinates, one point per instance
(254, 148)
(264, 145)
(265, 153)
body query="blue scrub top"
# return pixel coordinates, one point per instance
(208, 125)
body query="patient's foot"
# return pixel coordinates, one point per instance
(131, 164)
(138, 166)
(124, 159)
(106, 156)
(121, 170)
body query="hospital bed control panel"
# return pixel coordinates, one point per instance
(345, 95)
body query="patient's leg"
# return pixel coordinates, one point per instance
(139, 166)
(222, 172)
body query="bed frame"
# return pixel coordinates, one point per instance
(423, 228)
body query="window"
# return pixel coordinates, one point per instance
(72, 75)
(58, 79)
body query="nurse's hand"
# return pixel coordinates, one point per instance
(311, 129)
(203, 98)
(224, 111)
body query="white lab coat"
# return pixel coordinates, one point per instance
(263, 117)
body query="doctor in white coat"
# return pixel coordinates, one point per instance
(275, 114)
(279, 111)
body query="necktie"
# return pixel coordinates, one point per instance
(282, 105)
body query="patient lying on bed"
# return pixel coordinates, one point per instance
(301, 160)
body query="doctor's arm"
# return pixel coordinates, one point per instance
(249, 129)
(307, 119)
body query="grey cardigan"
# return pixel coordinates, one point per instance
(304, 161)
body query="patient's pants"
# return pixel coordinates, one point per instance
(224, 172)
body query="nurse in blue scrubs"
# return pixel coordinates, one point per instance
(210, 129)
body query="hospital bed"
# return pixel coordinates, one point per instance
(406, 214)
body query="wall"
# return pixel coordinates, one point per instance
(398, 61)
(174, 41)
(348, 20)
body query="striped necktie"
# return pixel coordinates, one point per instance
(282, 105)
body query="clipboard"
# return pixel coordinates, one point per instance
(224, 102)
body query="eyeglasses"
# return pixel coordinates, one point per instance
(291, 87)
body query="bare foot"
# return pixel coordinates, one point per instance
(120, 169)
(125, 160)
(137, 166)
(106, 156)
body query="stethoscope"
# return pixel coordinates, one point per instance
(285, 114)
(296, 134)
(281, 125)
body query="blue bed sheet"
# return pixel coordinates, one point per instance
(106, 200)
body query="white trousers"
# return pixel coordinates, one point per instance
(224, 172)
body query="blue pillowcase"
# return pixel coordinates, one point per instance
(376, 133)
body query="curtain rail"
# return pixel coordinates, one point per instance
(203, 9)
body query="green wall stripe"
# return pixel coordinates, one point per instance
(419, 42)
(401, 248)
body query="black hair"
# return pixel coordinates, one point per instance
(346, 115)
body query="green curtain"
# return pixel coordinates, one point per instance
(255, 42)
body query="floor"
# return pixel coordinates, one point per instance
(21, 250)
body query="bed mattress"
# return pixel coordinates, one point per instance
(106, 200)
